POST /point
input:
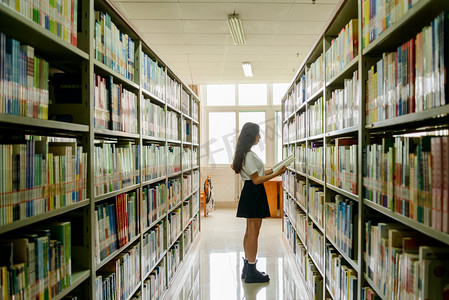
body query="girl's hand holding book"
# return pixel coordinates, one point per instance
(281, 171)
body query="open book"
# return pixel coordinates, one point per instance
(285, 162)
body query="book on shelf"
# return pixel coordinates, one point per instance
(36, 264)
(185, 102)
(153, 158)
(172, 126)
(38, 176)
(174, 225)
(153, 203)
(154, 285)
(112, 47)
(343, 49)
(315, 245)
(411, 79)
(340, 278)
(316, 203)
(173, 93)
(174, 159)
(61, 19)
(285, 162)
(116, 166)
(173, 259)
(153, 119)
(315, 118)
(115, 107)
(154, 77)
(314, 77)
(315, 160)
(173, 192)
(369, 294)
(118, 278)
(153, 246)
(314, 281)
(24, 78)
(341, 164)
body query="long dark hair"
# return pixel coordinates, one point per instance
(246, 140)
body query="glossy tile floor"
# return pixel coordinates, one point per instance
(220, 252)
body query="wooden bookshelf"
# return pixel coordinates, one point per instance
(81, 59)
(436, 119)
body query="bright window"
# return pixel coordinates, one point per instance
(252, 94)
(257, 117)
(222, 137)
(278, 136)
(221, 95)
(279, 90)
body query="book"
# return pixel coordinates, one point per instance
(154, 77)
(285, 162)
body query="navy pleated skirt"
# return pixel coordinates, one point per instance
(253, 201)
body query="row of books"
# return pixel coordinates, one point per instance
(342, 109)
(173, 259)
(289, 232)
(186, 214)
(315, 245)
(185, 102)
(186, 185)
(291, 130)
(195, 201)
(343, 49)
(340, 278)
(301, 191)
(315, 118)
(119, 277)
(116, 166)
(295, 98)
(195, 110)
(289, 179)
(301, 257)
(195, 180)
(315, 160)
(316, 203)
(369, 294)
(412, 79)
(403, 264)
(187, 240)
(300, 129)
(301, 158)
(154, 77)
(314, 77)
(409, 175)
(196, 224)
(153, 159)
(115, 224)
(113, 48)
(37, 176)
(314, 281)
(115, 106)
(152, 247)
(173, 93)
(154, 203)
(153, 119)
(186, 131)
(173, 159)
(36, 264)
(154, 286)
(341, 224)
(174, 192)
(60, 18)
(195, 134)
(23, 80)
(172, 127)
(174, 225)
(186, 158)
(378, 16)
(341, 164)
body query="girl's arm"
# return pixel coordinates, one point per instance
(261, 179)
(269, 171)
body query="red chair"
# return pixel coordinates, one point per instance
(206, 197)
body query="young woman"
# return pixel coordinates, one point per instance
(253, 203)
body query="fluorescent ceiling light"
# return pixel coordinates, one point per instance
(247, 69)
(236, 29)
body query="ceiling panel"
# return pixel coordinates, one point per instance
(258, 39)
(158, 26)
(205, 64)
(168, 49)
(310, 12)
(205, 11)
(151, 11)
(281, 50)
(164, 38)
(205, 26)
(205, 58)
(293, 27)
(206, 49)
(263, 11)
(244, 49)
(294, 39)
(260, 27)
(207, 39)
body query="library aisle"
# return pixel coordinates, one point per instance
(216, 262)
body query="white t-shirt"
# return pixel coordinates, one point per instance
(251, 164)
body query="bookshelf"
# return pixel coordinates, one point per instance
(402, 208)
(121, 96)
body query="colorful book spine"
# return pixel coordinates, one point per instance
(314, 77)
(300, 155)
(301, 191)
(186, 213)
(315, 118)
(154, 203)
(295, 98)
(153, 119)
(38, 176)
(113, 48)
(186, 185)
(186, 158)
(154, 285)
(115, 107)
(153, 157)
(173, 93)
(174, 225)
(153, 246)
(315, 245)
(314, 281)
(173, 192)
(300, 120)
(119, 277)
(173, 259)
(342, 109)
(412, 79)
(116, 166)
(315, 160)
(341, 164)
(185, 102)
(186, 131)
(24, 80)
(343, 49)
(316, 203)
(340, 278)
(174, 159)
(173, 122)
(154, 77)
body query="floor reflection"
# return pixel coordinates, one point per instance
(214, 269)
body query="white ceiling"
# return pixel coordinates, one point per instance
(193, 38)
